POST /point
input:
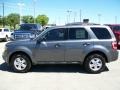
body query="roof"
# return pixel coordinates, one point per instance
(28, 24)
(113, 24)
(70, 26)
(81, 23)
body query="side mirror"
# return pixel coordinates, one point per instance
(41, 40)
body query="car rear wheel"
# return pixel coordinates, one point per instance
(20, 63)
(94, 63)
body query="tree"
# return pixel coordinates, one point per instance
(28, 19)
(0, 20)
(42, 19)
(3, 20)
(13, 19)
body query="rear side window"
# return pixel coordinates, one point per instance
(101, 33)
(0, 30)
(77, 33)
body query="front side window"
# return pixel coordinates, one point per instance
(0, 30)
(55, 35)
(77, 33)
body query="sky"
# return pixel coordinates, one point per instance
(97, 11)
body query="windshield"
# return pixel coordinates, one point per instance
(28, 27)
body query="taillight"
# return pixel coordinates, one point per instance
(114, 45)
(119, 37)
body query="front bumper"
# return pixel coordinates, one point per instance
(5, 56)
(1, 36)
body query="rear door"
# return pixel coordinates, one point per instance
(77, 44)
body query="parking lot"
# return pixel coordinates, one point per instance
(59, 77)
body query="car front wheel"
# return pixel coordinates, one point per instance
(94, 63)
(20, 63)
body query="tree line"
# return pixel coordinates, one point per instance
(13, 19)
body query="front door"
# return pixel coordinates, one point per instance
(52, 47)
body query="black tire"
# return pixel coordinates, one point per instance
(22, 57)
(97, 66)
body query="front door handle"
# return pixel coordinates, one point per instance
(86, 44)
(57, 45)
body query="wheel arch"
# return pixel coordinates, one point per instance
(97, 52)
(19, 52)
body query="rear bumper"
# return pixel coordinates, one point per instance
(113, 56)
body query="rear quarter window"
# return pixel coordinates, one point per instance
(101, 33)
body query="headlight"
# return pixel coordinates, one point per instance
(12, 36)
(12, 33)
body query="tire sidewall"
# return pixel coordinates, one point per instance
(28, 63)
(89, 58)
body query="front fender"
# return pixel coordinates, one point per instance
(21, 49)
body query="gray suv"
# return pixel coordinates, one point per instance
(90, 46)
